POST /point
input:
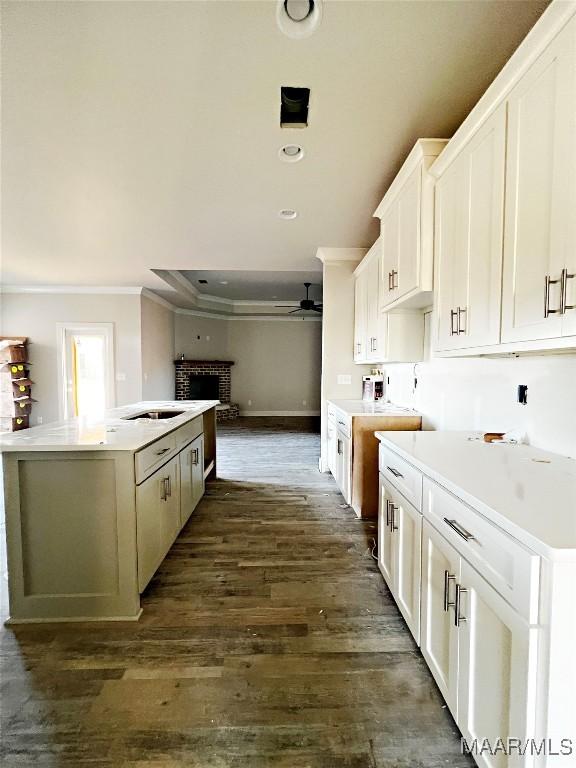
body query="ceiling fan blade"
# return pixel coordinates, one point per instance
(285, 306)
(318, 309)
(295, 310)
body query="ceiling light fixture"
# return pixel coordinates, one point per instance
(291, 153)
(298, 18)
(287, 213)
(223, 282)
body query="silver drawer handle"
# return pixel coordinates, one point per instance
(164, 450)
(462, 532)
(395, 472)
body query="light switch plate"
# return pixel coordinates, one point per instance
(344, 378)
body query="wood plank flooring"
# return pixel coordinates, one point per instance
(268, 638)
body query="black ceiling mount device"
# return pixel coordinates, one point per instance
(306, 305)
(294, 107)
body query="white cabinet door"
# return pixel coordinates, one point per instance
(438, 633)
(360, 316)
(332, 447)
(497, 672)
(374, 341)
(157, 518)
(344, 464)
(406, 524)
(408, 205)
(469, 221)
(191, 477)
(540, 194)
(385, 536)
(389, 258)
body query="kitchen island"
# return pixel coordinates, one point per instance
(93, 506)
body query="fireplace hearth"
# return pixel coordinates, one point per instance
(206, 380)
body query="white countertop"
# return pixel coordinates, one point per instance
(111, 432)
(529, 493)
(376, 408)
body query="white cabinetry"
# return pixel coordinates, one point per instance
(191, 477)
(157, 518)
(407, 219)
(540, 243)
(382, 336)
(399, 542)
(469, 220)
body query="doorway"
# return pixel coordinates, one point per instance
(86, 369)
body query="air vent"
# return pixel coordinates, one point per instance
(294, 107)
(203, 282)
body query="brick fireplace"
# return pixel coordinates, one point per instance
(220, 368)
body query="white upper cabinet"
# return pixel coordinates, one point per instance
(380, 336)
(468, 232)
(505, 228)
(540, 223)
(407, 219)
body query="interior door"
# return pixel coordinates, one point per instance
(385, 536)
(438, 633)
(540, 198)
(407, 528)
(497, 675)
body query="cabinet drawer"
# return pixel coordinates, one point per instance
(188, 432)
(403, 476)
(343, 423)
(510, 568)
(153, 456)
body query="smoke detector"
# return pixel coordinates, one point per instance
(287, 213)
(298, 18)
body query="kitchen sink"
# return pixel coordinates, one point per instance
(154, 415)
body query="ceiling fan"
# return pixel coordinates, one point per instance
(306, 304)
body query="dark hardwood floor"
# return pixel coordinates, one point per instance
(268, 638)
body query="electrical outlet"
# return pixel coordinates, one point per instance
(303, 402)
(120, 377)
(343, 378)
(249, 402)
(207, 338)
(39, 419)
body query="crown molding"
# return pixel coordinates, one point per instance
(257, 318)
(334, 255)
(78, 289)
(147, 293)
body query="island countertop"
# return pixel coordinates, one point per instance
(371, 408)
(110, 432)
(528, 492)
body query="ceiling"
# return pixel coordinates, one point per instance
(242, 285)
(145, 135)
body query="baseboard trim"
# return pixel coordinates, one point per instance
(279, 413)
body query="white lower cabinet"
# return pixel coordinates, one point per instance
(439, 640)
(481, 652)
(496, 669)
(191, 477)
(157, 518)
(399, 553)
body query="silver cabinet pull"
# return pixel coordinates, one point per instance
(547, 283)
(458, 618)
(565, 276)
(394, 471)
(462, 532)
(393, 526)
(448, 577)
(164, 489)
(339, 446)
(394, 275)
(164, 450)
(453, 316)
(390, 284)
(387, 513)
(169, 485)
(461, 311)
(196, 455)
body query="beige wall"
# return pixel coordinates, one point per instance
(157, 340)
(213, 333)
(37, 315)
(277, 363)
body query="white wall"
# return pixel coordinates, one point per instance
(276, 362)
(157, 344)
(480, 394)
(37, 315)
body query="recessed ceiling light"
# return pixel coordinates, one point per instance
(223, 282)
(298, 18)
(287, 213)
(291, 153)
